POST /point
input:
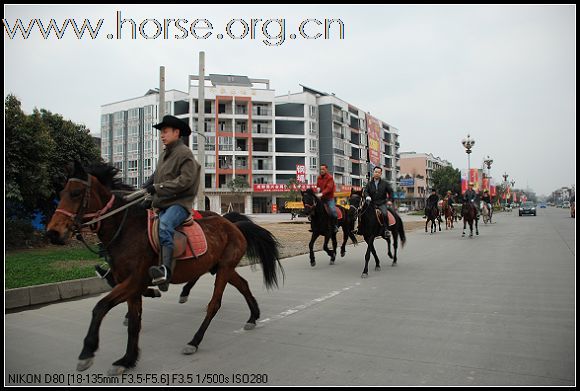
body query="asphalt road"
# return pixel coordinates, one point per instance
(496, 309)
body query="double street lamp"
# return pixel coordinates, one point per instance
(468, 144)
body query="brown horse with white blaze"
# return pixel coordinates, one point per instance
(93, 192)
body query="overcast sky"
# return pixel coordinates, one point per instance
(504, 74)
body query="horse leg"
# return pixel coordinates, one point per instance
(388, 239)
(131, 356)
(464, 225)
(186, 290)
(311, 248)
(374, 252)
(395, 245)
(345, 230)
(369, 240)
(120, 293)
(476, 227)
(222, 277)
(243, 287)
(426, 222)
(333, 254)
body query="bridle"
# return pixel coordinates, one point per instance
(310, 207)
(96, 217)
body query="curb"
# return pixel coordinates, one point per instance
(49, 293)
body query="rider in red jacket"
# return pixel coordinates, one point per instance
(325, 183)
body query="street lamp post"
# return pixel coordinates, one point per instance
(468, 144)
(505, 183)
(488, 163)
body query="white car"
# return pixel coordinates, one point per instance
(403, 208)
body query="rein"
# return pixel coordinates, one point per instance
(100, 215)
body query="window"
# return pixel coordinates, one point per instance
(147, 164)
(209, 161)
(132, 166)
(313, 145)
(312, 127)
(313, 163)
(312, 111)
(226, 144)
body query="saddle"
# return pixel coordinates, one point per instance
(338, 211)
(188, 241)
(380, 218)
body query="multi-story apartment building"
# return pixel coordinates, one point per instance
(416, 176)
(252, 135)
(336, 134)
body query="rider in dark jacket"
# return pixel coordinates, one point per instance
(380, 192)
(471, 196)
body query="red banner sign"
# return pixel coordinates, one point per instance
(301, 173)
(374, 134)
(282, 187)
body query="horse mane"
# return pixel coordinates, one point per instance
(105, 173)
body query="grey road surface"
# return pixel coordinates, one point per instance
(496, 309)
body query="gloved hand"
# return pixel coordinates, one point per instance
(368, 199)
(150, 189)
(146, 203)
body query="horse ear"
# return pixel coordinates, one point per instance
(79, 171)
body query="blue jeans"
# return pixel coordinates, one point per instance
(169, 219)
(332, 207)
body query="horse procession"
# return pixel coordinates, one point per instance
(93, 198)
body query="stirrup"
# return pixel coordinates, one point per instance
(101, 273)
(155, 274)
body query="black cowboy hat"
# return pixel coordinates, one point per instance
(176, 123)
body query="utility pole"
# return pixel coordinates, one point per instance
(161, 108)
(200, 131)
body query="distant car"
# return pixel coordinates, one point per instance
(566, 204)
(403, 208)
(542, 205)
(527, 208)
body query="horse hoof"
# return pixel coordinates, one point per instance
(189, 349)
(116, 370)
(84, 364)
(364, 275)
(126, 322)
(312, 263)
(342, 253)
(183, 299)
(394, 263)
(156, 293)
(249, 326)
(377, 268)
(331, 262)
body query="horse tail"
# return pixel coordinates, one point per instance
(263, 247)
(401, 230)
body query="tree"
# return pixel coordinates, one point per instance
(38, 146)
(294, 190)
(74, 143)
(447, 178)
(28, 150)
(238, 184)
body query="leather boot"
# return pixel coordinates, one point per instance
(161, 275)
(334, 224)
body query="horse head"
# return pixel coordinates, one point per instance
(355, 198)
(309, 200)
(83, 197)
